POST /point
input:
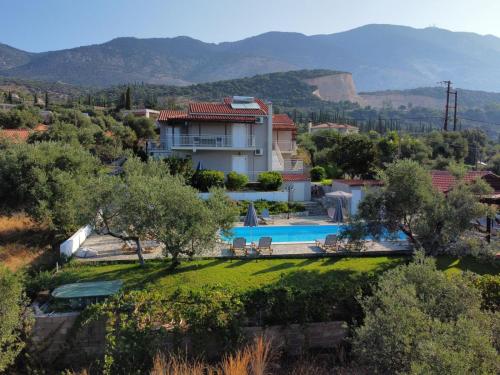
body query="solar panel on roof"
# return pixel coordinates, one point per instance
(243, 99)
(245, 105)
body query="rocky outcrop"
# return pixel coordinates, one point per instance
(335, 88)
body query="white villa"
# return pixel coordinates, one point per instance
(238, 134)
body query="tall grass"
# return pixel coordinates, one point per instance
(253, 359)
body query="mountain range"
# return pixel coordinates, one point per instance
(379, 57)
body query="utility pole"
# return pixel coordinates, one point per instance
(448, 91)
(455, 112)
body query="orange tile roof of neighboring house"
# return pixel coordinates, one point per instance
(41, 128)
(15, 135)
(168, 114)
(283, 122)
(21, 135)
(358, 182)
(295, 177)
(444, 180)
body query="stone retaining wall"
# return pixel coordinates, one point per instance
(59, 338)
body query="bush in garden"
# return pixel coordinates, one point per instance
(270, 181)
(205, 179)
(236, 181)
(318, 173)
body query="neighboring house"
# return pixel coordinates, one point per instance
(357, 188)
(21, 135)
(238, 134)
(145, 112)
(444, 180)
(341, 128)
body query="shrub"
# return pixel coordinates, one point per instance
(318, 173)
(206, 179)
(14, 317)
(273, 207)
(270, 181)
(236, 181)
(489, 286)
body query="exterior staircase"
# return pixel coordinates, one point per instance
(315, 208)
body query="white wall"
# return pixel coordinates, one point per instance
(301, 190)
(68, 247)
(357, 195)
(278, 196)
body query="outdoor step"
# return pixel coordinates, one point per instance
(315, 208)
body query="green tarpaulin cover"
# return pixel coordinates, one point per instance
(89, 289)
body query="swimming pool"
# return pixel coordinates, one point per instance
(292, 233)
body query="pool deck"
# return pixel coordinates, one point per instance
(103, 248)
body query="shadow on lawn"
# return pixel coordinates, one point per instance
(277, 267)
(137, 277)
(444, 263)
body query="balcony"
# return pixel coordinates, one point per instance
(287, 147)
(203, 142)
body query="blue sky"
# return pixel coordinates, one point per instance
(41, 25)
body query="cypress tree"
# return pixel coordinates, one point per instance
(128, 99)
(47, 100)
(35, 99)
(9, 97)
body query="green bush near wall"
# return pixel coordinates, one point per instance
(236, 181)
(270, 181)
(204, 180)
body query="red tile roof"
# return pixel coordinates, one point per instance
(168, 114)
(15, 135)
(295, 177)
(444, 180)
(184, 116)
(225, 108)
(356, 182)
(41, 128)
(283, 122)
(21, 135)
(215, 112)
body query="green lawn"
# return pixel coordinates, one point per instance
(248, 274)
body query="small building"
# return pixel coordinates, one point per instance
(357, 188)
(341, 128)
(145, 112)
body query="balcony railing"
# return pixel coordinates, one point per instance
(290, 166)
(211, 141)
(285, 146)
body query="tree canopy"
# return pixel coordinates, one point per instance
(419, 321)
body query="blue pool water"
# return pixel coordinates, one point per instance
(292, 233)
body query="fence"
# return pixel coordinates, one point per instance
(72, 244)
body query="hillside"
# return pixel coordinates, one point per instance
(379, 57)
(287, 89)
(11, 57)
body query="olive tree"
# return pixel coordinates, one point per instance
(48, 180)
(408, 202)
(14, 317)
(146, 202)
(420, 321)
